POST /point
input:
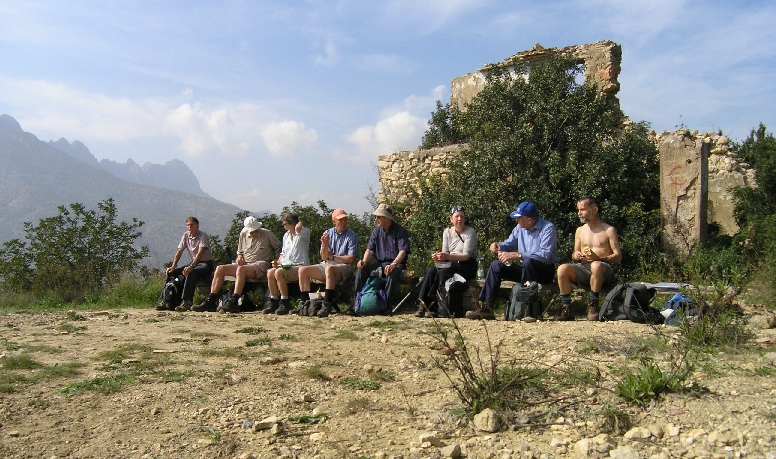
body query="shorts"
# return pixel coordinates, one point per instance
(290, 274)
(583, 273)
(260, 267)
(344, 269)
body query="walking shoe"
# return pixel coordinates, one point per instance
(421, 309)
(184, 306)
(565, 314)
(284, 307)
(592, 310)
(484, 311)
(231, 305)
(209, 304)
(271, 305)
(325, 309)
(162, 306)
(529, 319)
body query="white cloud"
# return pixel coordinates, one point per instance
(437, 12)
(401, 130)
(288, 138)
(330, 54)
(204, 132)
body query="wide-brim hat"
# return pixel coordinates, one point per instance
(251, 223)
(525, 209)
(384, 210)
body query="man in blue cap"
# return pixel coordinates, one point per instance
(529, 254)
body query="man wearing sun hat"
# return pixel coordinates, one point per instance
(529, 254)
(389, 243)
(339, 249)
(256, 247)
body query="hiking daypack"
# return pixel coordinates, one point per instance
(371, 300)
(170, 297)
(523, 302)
(630, 302)
(244, 304)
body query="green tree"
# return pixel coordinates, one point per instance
(76, 252)
(550, 140)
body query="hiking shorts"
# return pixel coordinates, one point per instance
(345, 270)
(583, 273)
(290, 274)
(260, 267)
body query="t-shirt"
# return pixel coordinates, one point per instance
(193, 244)
(296, 248)
(261, 247)
(465, 242)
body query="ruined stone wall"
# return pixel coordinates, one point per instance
(601, 60)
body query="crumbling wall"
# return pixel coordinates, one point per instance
(601, 60)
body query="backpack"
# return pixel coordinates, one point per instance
(523, 302)
(371, 300)
(630, 302)
(310, 308)
(172, 291)
(244, 304)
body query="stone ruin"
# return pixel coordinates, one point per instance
(697, 170)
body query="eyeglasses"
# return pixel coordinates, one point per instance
(457, 209)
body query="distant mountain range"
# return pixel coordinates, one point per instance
(38, 176)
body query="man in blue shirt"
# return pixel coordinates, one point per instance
(390, 245)
(529, 254)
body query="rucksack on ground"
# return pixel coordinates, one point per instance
(371, 300)
(172, 291)
(630, 302)
(523, 302)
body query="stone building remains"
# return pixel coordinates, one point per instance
(697, 170)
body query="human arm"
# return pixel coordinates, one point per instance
(365, 260)
(542, 246)
(175, 260)
(194, 262)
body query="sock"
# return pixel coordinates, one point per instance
(274, 297)
(565, 299)
(283, 297)
(304, 296)
(329, 295)
(594, 296)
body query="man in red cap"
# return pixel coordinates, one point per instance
(339, 249)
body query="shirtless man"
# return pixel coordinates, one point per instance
(596, 247)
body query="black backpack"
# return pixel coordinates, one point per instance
(630, 302)
(170, 298)
(523, 302)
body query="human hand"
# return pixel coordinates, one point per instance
(325, 238)
(169, 270)
(240, 260)
(388, 269)
(495, 247)
(361, 264)
(186, 270)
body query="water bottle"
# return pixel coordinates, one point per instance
(480, 268)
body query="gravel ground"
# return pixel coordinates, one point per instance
(139, 383)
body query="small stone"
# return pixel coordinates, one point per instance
(236, 379)
(384, 339)
(13, 433)
(487, 421)
(624, 452)
(763, 321)
(246, 456)
(276, 430)
(247, 424)
(125, 361)
(637, 433)
(656, 430)
(768, 359)
(316, 436)
(431, 438)
(307, 398)
(671, 430)
(369, 368)
(156, 410)
(723, 438)
(266, 423)
(452, 451)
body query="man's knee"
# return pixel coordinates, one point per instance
(566, 271)
(332, 273)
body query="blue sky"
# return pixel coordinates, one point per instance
(271, 102)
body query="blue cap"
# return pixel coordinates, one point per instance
(525, 209)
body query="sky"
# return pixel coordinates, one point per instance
(270, 102)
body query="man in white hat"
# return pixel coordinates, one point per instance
(255, 250)
(389, 243)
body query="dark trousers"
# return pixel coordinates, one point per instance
(368, 271)
(530, 270)
(202, 270)
(434, 281)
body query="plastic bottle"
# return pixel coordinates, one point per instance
(480, 268)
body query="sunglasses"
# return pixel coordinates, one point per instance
(457, 209)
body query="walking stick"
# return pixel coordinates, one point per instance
(405, 298)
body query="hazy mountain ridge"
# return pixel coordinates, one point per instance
(36, 178)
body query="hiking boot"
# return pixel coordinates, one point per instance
(529, 319)
(210, 304)
(430, 315)
(484, 311)
(284, 307)
(326, 309)
(592, 310)
(565, 314)
(184, 306)
(231, 305)
(421, 309)
(162, 306)
(271, 305)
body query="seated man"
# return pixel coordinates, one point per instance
(255, 248)
(390, 245)
(295, 254)
(529, 254)
(596, 245)
(198, 245)
(339, 249)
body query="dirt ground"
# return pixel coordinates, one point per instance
(138, 383)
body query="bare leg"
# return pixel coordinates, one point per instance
(243, 272)
(566, 275)
(280, 283)
(597, 270)
(218, 277)
(306, 273)
(272, 283)
(333, 275)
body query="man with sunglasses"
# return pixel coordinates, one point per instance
(529, 254)
(389, 243)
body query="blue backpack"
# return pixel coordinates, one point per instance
(371, 300)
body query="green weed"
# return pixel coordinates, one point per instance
(382, 376)
(345, 334)
(355, 405)
(70, 328)
(263, 341)
(649, 382)
(20, 362)
(103, 385)
(251, 330)
(308, 418)
(315, 372)
(359, 384)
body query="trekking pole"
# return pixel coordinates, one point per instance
(405, 298)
